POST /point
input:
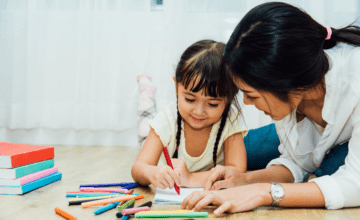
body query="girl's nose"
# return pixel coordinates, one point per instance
(199, 109)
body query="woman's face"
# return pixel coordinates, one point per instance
(267, 102)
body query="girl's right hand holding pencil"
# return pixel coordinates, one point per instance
(163, 177)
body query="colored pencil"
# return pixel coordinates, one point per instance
(64, 214)
(93, 189)
(112, 200)
(168, 161)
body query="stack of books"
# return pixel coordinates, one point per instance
(24, 168)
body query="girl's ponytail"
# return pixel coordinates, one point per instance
(221, 128)
(349, 35)
(178, 134)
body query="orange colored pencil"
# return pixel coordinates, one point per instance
(64, 214)
(112, 200)
(128, 193)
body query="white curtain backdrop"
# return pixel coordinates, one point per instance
(68, 67)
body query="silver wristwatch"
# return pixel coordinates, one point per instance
(277, 192)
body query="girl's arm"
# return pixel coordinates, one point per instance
(235, 153)
(145, 170)
(234, 156)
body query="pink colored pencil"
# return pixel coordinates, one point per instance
(134, 210)
(112, 200)
(93, 189)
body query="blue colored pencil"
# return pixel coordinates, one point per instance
(130, 186)
(92, 194)
(106, 208)
(125, 217)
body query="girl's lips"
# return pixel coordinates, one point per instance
(266, 113)
(197, 120)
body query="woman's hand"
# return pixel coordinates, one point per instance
(237, 199)
(222, 177)
(164, 177)
(182, 171)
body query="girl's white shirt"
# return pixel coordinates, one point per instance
(304, 146)
(165, 126)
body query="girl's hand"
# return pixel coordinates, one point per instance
(238, 199)
(222, 177)
(182, 171)
(164, 177)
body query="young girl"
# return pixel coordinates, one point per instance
(201, 129)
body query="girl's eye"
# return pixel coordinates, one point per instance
(189, 100)
(214, 105)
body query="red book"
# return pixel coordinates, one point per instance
(15, 155)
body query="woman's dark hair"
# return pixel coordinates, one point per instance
(202, 63)
(279, 48)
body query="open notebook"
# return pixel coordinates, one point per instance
(169, 196)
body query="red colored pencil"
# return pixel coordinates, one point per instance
(168, 161)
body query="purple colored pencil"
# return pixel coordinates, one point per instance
(108, 184)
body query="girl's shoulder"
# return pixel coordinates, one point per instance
(166, 116)
(235, 120)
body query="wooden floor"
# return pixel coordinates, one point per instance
(95, 164)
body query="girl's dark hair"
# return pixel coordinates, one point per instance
(202, 61)
(279, 48)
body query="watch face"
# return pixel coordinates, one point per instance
(278, 192)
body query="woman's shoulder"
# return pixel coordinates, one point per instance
(351, 68)
(353, 59)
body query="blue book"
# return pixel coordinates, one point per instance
(17, 172)
(18, 190)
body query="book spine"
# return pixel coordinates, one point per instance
(32, 177)
(32, 168)
(32, 157)
(41, 182)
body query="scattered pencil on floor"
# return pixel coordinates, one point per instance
(130, 186)
(64, 214)
(106, 208)
(93, 189)
(119, 215)
(112, 200)
(146, 204)
(134, 210)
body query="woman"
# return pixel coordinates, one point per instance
(276, 57)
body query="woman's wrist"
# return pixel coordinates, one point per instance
(264, 193)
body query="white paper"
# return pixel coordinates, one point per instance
(170, 196)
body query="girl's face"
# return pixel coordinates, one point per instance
(197, 110)
(267, 102)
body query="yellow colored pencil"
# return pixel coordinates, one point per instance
(95, 197)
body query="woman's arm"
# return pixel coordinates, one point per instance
(255, 195)
(145, 170)
(223, 177)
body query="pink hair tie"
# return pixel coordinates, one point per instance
(329, 32)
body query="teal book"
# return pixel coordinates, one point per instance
(18, 190)
(13, 173)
